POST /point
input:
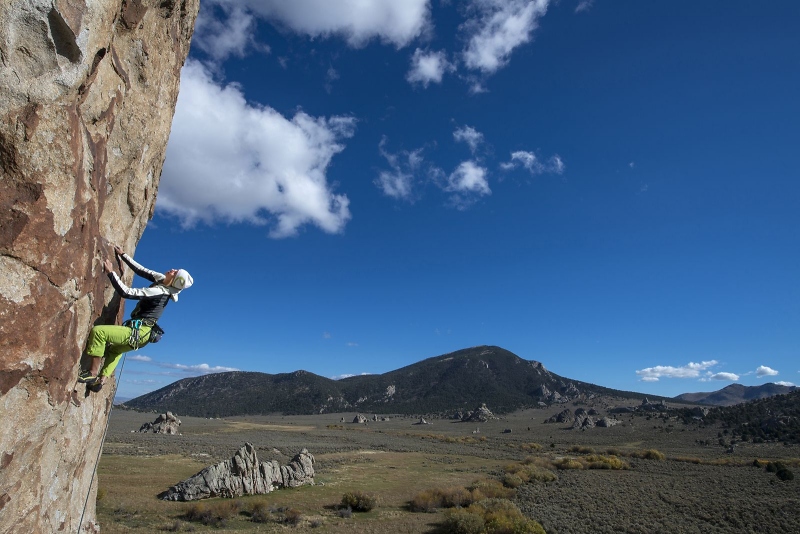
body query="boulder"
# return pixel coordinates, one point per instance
(583, 423)
(87, 95)
(166, 423)
(607, 422)
(244, 475)
(564, 416)
(481, 414)
(360, 419)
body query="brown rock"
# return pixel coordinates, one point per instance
(85, 115)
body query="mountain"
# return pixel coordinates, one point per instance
(736, 394)
(457, 381)
(775, 418)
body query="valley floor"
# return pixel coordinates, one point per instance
(696, 488)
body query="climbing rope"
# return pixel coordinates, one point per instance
(102, 442)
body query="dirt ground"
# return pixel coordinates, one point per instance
(698, 487)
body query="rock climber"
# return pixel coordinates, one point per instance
(112, 341)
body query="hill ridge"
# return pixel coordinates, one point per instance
(459, 380)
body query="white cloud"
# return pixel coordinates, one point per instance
(399, 181)
(763, 370)
(231, 161)
(691, 370)
(469, 177)
(499, 26)
(530, 162)
(784, 383)
(469, 135)
(348, 375)
(352, 344)
(190, 370)
(466, 184)
(556, 165)
(723, 376)
(428, 67)
(230, 35)
(397, 22)
(584, 5)
(195, 370)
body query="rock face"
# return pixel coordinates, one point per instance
(166, 423)
(87, 94)
(244, 475)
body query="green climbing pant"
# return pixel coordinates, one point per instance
(111, 342)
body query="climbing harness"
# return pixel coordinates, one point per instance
(135, 339)
(135, 325)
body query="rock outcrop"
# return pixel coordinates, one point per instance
(244, 475)
(166, 423)
(481, 414)
(564, 416)
(87, 94)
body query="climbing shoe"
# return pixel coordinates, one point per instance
(96, 386)
(86, 377)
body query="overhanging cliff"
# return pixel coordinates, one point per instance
(87, 94)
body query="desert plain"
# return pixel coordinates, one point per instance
(677, 478)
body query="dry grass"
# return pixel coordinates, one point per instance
(578, 479)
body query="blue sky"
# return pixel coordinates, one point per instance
(609, 188)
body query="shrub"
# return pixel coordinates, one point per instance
(502, 516)
(490, 489)
(259, 512)
(427, 501)
(292, 516)
(649, 454)
(215, 515)
(531, 469)
(785, 474)
(596, 461)
(541, 475)
(568, 463)
(359, 501)
(511, 480)
(461, 521)
(581, 449)
(433, 499)
(346, 513)
(774, 467)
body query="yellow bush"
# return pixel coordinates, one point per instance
(596, 461)
(568, 463)
(491, 489)
(649, 454)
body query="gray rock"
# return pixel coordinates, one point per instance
(480, 414)
(564, 416)
(244, 475)
(607, 422)
(166, 423)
